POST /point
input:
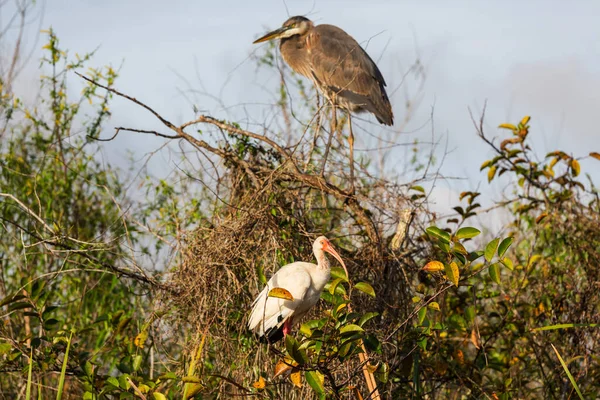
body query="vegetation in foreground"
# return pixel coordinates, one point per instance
(443, 310)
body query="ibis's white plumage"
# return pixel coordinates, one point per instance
(305, 282)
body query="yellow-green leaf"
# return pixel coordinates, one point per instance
(434, 306)
(508, 126)
(495, 272)
(504, 245)
(508, 263)
(483, 166)
(365, 288)
(452, 273)
(490, 249)
(525, 120)
(280, 293)
(575, 167)
(315, 379)
(467, 232)
(351, 328)
(491, 173)
(159, 396)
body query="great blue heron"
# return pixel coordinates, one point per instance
(338, 66)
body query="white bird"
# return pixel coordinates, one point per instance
(272, 317)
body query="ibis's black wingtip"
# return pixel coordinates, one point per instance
(271, 336)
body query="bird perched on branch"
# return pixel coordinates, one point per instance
(302, 283)
(337, 65)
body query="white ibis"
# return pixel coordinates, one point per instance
(272, 317)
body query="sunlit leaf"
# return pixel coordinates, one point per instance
(434, 306)
(282, 367)
(280, 293)
(296, 378)
(575, 167)
(433, 266)
(495, 272)
(491, 173)
(159, 396)
(504, 245)
(338, 272)
(365, 288)
(490, 249)
(315, 379)
(508, 126)
(351, 328)
(260, 384)
(467, 232)
(438, 233)
(452, 273)
(508, 263)
(140, 339)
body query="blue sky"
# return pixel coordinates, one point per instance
(536, 57)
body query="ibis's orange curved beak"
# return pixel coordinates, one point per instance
(328, 247)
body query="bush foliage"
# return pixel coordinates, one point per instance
(433, 307)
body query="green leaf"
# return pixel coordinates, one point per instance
(417, 188)
(365, 288)
(421, 314)
(495, 272)
(350, 328)
(438, 234)
(367, 317)
(334, 284)
(338, 272)
(490, 249)
(508, 263)
(315, 379)
(452, 272)
(467, 232)
(159, 396)
(564, 326)
(63, 371)
(564, 365)
(5, 348)
(504, 245)
(11, 299)
(470, 314)
(113, 381)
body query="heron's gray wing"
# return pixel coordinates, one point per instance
(341, 67)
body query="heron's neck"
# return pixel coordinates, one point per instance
(322, 261)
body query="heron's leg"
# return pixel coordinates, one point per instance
(332, 129)
(351, 143)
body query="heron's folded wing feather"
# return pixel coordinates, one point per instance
(340, 65)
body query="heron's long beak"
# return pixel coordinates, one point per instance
(329, 248)
(272, 35)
